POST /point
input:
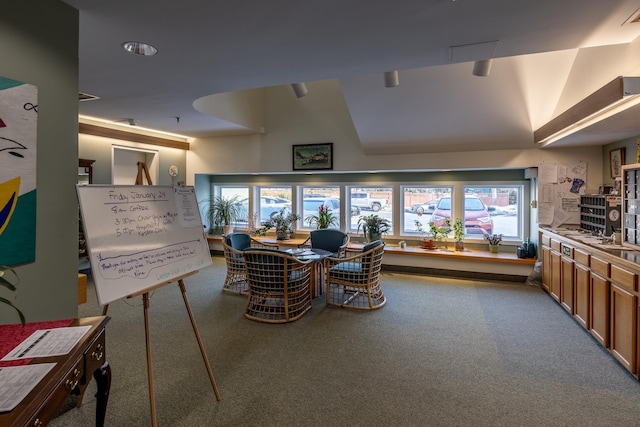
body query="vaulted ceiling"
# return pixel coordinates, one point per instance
(547, 55)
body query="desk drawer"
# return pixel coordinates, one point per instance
(58, 396)
(599, 266)
(623, 278)
(94, 357)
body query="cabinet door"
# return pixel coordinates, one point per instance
(581, 298)
(546, 268)
(556, 268)
(566, 284)
(599, 314)
(623, 327)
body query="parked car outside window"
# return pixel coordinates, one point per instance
(426, 207)
(476, 215)
(269, 206)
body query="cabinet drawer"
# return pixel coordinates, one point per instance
(581, 257)
(567, 250)
(599, 266)
(623, 278)
(555, 245)
(546, 240)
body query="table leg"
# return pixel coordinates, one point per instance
(103, 381)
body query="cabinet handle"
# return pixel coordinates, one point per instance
(98, 353)
(71, 383)
(37, 423)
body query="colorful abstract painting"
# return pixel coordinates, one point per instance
(18, 143)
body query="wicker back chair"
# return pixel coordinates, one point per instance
(329, 239)
(354, 281)
(279, 286)
(233, 246)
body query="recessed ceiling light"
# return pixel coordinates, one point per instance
(139, 48)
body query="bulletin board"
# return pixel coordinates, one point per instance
(559, 190)
(141, 236)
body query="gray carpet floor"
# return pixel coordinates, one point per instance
(442, 352)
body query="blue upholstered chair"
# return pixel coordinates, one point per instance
(329, 239)
(354, 281)
(279, 286)
(233, 246)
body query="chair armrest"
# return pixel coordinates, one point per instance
(306, 243)
(255, 243)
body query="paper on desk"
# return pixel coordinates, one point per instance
(48, 342)
(16, 382)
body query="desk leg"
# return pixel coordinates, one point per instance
(103, 381)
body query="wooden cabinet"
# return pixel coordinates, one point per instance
(567, 284)
(599, 289)
(582, 298)
(546, 268)
(599, 310)
(555, 279)
(624, 325)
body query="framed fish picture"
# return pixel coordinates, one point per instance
(313, 156)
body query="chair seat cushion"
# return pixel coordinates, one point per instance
(349, 271)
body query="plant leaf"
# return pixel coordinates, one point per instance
(10, 304)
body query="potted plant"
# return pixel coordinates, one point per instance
(494, 240)
(458, 234)
(283, 222)
(9, 279)
(324, 219)
(373, 226)
(222, 212)
(431, 238)
(425, 235)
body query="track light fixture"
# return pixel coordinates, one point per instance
(300, 89)
(482, 68)
(391, 79)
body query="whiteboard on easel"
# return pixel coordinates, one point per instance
(141, 236)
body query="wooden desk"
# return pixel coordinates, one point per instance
(72, 373)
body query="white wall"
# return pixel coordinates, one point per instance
(322, 116)
(100, 149)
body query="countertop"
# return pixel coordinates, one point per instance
(624, 252)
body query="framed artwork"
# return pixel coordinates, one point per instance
(18, 155)
(616, 157)
(313, 156)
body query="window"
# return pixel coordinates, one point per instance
(272, 200)
(419, 204)
(369, 201)
(242, 193)
(313, 198)
(496, 210)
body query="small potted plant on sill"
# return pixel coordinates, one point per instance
(9, 279)
(283, 222)
(458, 234)
(434, 236)
(222, 212)
(493, 240)
(373, 226)
(324, 219)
